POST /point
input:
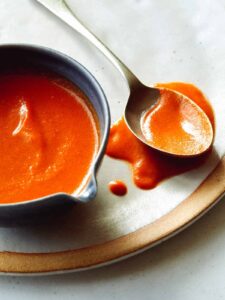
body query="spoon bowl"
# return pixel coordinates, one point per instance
(141, 98)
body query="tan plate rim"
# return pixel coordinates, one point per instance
(193, 207)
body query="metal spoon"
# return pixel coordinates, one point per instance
(141, 97)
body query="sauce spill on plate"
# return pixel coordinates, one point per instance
(48, 136)
(118, 188)
(150, 166)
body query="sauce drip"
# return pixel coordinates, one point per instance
(176, 125)
(118, 188)
(149, 166)
(48, 136)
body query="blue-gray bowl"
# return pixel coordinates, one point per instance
(49, 60)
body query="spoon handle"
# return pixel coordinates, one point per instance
(61, 9)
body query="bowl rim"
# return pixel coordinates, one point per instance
(106, 111)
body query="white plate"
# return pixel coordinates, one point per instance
(160, 41)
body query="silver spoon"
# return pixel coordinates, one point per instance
(141, 97)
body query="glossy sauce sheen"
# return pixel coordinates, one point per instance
(118, 188)
(48, 136)
(150, 166)
(176, 125)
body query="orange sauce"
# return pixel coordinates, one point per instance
(118, 188)
(149, 166)
(176, 125)
(48, 136)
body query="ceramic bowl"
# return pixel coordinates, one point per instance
(49, 60)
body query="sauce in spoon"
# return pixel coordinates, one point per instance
(176, 125)
(149, 167)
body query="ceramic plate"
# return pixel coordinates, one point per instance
(160, 41)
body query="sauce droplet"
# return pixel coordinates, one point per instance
(118, 188)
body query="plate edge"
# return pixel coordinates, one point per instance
(208, 193)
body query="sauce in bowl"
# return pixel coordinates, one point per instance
(48, 136)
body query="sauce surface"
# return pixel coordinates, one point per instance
(149, 167)
(118, 188)
(176, 125)
(48, 136)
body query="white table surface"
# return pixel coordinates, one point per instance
(189, 266)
